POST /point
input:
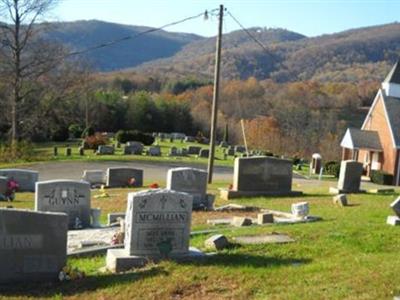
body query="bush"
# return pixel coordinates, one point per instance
(123, 136)
(332, 168)
(23, 150)
(94, 141)
(296, 160)
(60, 134)
(89, 131)
(381, 177)
(75, 130)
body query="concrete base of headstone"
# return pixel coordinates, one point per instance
(231, 194)
(336, 191)
(117, 260)
(393, 220)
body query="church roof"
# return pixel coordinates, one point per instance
(394, 74)
(355, 138)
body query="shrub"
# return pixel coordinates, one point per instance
(123, 136)
(332, 168)
(60, 134)
(89, 131)
(75, 130)
(23, 150)
(94, 141)
(296, 160)
(381, 177)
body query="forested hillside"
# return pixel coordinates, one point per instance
(81, 35)
(359, 54)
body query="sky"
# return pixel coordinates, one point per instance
(310, 18)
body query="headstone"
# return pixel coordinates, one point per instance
(26, 179)
(350, 176)
(265, 218)
(192, 181)
(3, 185)
(182, 152)
(300, 209)
(230, 152)
(173, 151)
(395, 205)
(316, 163)
(105, 150)
(157, 225)
(261, 176)
(33, 245)
(178, 135)
(189, 139)
(155, 151)
(68, 151)
(224, 145)
(340, 199)
(135, 148)
(122, 177)
(94, 176)
(240, 149)
(81, 151)
(217, 242)
(204, 153)
(194, 150)
(67, 196)
(55, 151)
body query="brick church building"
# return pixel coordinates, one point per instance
(377, 143)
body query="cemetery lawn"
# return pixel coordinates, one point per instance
(44, 152)
(350, 254)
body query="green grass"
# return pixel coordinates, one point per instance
(44, 152)
(350, 254)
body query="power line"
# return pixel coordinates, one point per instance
(248, 33)
(130, 37)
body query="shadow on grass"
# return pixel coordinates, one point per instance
(69, 288)
(243, 260)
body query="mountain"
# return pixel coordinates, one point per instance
(80, 35)
(357, 54)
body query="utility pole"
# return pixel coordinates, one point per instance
(214, 112)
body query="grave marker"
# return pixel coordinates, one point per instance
(25, 178)
(67, 196)
(261, 176)
(122, 177)
(33, 245)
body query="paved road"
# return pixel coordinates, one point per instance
(151, 170)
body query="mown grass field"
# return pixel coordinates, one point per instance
(44, 152)
(350, 254)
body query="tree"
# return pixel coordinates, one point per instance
(25, 55)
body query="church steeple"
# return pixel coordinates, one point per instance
(391, 84)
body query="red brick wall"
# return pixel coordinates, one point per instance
(378, 122)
